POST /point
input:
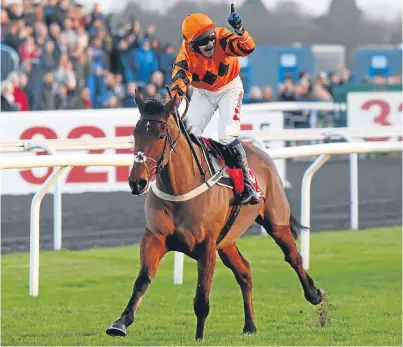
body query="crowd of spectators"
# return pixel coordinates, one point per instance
(320, 88)
(70, 59)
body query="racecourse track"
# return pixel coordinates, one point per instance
(113, 219)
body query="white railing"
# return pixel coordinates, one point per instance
(126, 142)
(63, 161)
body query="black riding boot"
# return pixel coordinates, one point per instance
(249, 194)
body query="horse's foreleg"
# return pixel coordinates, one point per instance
(283, 237)
(152, 249)
(233, 259)
(206, 261)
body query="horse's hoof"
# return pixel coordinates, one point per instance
(117, 329)
(249, 329)
(322, 294)
(320, 297)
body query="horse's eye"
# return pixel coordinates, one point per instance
(162, 136)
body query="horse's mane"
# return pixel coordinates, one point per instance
(153, 107)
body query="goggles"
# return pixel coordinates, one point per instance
(205, 41)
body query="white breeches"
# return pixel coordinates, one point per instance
(227, 100)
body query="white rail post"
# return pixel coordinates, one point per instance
(354, 204)
(57, 198)
(34, 231)
(178, 268)
(306, 206)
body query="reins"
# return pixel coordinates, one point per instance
(183, 129)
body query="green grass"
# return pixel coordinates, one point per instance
(82, 292)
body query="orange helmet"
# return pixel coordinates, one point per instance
(196, 24)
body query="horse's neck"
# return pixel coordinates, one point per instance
(181, 174)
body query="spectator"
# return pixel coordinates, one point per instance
(50, 12)
(304, 77)
(320, 93)
(150, 32)
(151, 92)
(28, 50)
(47, 59)
(302, 92)
(156, 47)
(62, 101)
(14, 37)
(7, 97)
(128, 57)
(97, 13)
(346, 76)
(286, 90)
(146, 62)
(112, 102)
(85, 99)
(47, 98)
(20, 98)
(167, 58)
(5, 22)
(99, 55)
(157, 78)
(60, 13)
(119, 89)
(96, 84)
(41, 35)
(268, 94)
(73, 97)
(255, 95)
(110, 84)
(334, 81)
(24, 83)
(129, 100)
(64, 72)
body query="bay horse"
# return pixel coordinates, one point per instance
(192, 227)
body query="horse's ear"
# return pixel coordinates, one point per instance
(139, 101)
(170, 105)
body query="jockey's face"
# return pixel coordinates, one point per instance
(206, 43)
(208, 50)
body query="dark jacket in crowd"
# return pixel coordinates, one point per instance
(47, 99)
(128, 101)
(6, 106)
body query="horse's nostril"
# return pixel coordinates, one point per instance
(138, 186)
(141, 184)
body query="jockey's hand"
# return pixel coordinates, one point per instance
(235, 19)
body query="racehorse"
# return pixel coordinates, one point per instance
(193, 226)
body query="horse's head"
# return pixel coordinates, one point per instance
(155, 135)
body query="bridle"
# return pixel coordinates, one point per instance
(141, 158)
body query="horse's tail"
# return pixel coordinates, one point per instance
(296, 227)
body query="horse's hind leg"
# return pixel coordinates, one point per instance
(283, 236)
(152, 249)
(206, 261)
(233, 259)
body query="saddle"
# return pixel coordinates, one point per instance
(218, 156)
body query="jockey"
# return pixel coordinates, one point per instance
(208, 60)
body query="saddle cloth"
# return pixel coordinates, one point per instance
(218, 157)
